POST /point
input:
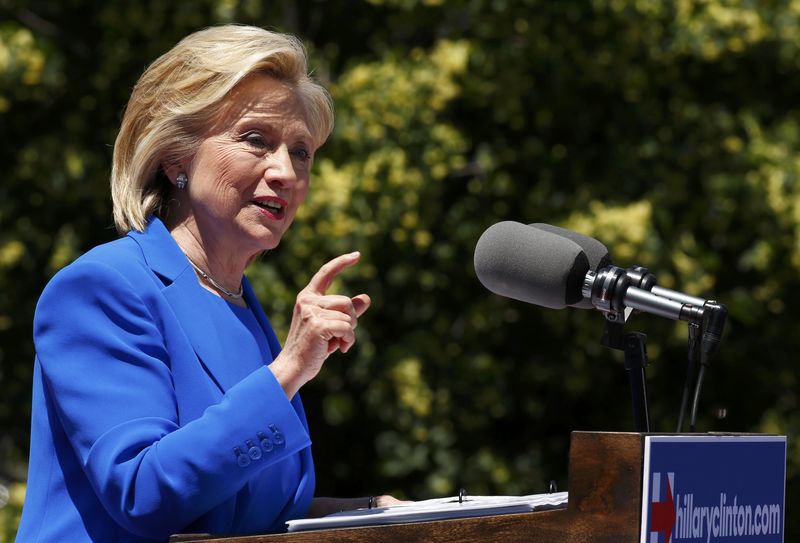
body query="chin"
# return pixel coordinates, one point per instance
(265, 239)
(270, 241)
(270, 246)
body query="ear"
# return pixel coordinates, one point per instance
(172, 169)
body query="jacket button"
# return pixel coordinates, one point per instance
(253, 451)
(266, 444)
(277, 435)
(242, 459)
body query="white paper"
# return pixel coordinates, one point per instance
(435, 509)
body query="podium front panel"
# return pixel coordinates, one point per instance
(713, 488)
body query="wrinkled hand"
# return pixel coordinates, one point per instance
(385, 500)
(321, 324)
(322, 506)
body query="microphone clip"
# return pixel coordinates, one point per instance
(606, 289)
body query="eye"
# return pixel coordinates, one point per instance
(255, 139)
(301, 153)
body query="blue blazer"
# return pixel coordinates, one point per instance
(142, 426)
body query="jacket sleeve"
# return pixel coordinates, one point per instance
(106, 367)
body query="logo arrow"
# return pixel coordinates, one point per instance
(662, 515)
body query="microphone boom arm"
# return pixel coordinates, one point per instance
(610, 290)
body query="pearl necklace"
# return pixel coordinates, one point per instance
(229, 293)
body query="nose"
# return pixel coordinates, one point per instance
(280, 168)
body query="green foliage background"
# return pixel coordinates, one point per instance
(669, 130)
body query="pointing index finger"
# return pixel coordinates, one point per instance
(327, 273)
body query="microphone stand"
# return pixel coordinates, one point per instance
(633, 345)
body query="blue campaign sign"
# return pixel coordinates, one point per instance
(713, 488)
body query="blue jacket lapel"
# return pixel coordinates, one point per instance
(261, 317)
(193, 306)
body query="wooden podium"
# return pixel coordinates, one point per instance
(605, 505)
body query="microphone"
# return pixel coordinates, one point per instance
(538, 266)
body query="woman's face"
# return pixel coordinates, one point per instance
(251, 171)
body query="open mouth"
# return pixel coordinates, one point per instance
(273, 207)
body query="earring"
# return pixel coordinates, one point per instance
(181, 180)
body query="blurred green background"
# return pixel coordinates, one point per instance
(667, 129)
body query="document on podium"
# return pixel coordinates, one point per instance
(435, 509)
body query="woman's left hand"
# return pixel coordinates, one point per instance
(321, 507)
(385, 500)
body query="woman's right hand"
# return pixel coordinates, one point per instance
(321, 324)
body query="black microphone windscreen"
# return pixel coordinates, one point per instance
(596, 252)
(531, 265)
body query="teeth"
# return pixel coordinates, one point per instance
(272, 206)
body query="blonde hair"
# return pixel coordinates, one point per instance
(174, 101)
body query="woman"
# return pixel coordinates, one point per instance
(163, 402)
